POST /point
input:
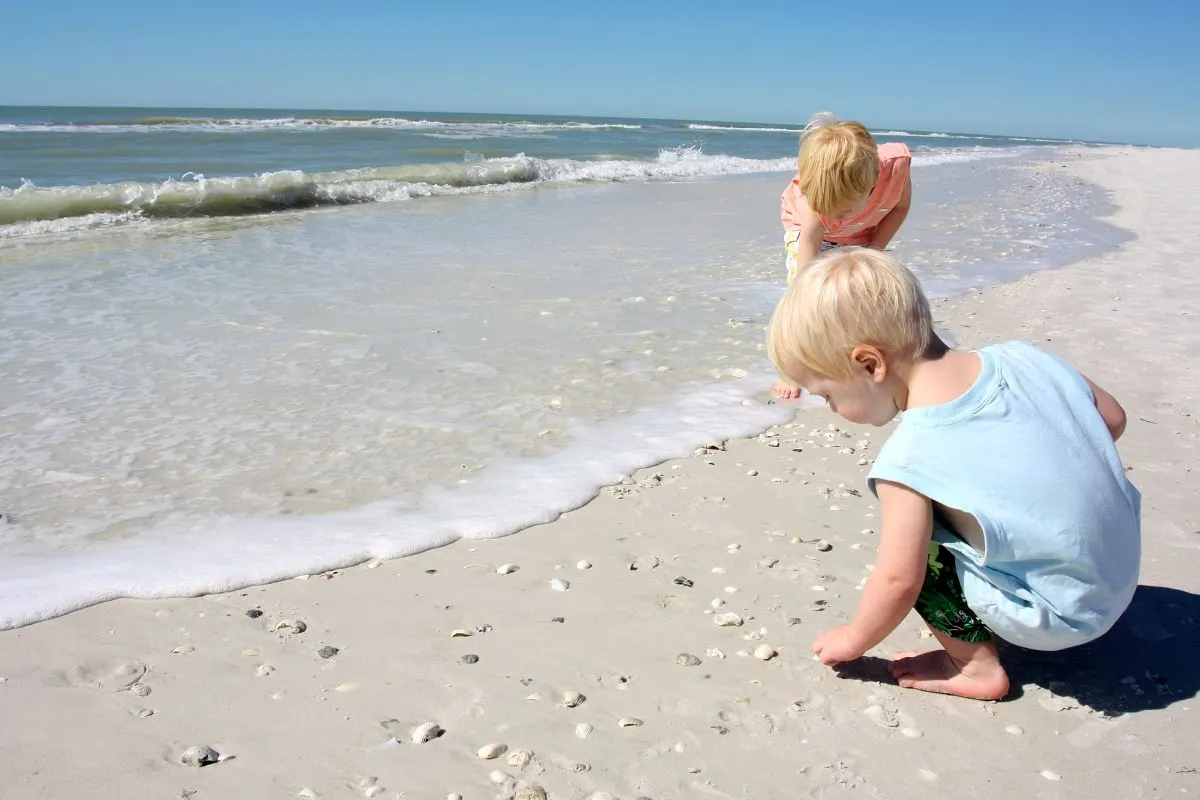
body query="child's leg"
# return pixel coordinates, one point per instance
(967, 665)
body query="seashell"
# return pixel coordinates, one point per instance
(643, 563)
(345, 687)
(535, 696)
(372, 792)
(199, 757)
(583, 730)
(460, 633)
(727, 620)
(291, 625)
(765, 652)
(560, 584)
(183, 650)
(824, 546)
(141, 713)
(713, 652)
(717, 603)
(733, 548)
(250, 652)
(497, 777)
(531, 792)
(520, 759)
(629, 722)
(585, 564)
(140, 689)
(567, 765)
(308, 794)
(506, 569)
(687, 660)
(374, 563)
(254, 613)
(263, 670)
(454, 796)
(573, 699)
(469, 658)
(731, 590)
(328, 651)
(426, 732)
(490, 751)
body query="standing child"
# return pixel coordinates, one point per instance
(1006, 508)
(847, 191)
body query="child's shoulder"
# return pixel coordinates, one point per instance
(894, 151)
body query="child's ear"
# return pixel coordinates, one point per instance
(871, 361)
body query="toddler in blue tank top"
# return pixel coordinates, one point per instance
(1006, 509)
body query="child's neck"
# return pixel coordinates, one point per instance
(941, 376)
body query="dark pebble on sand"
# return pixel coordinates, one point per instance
(431, 572)
(469, 658)
(327, 652)
(558, 619)
(254, 613)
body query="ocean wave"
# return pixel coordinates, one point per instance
(35, 210)
(198, 196)
(235, 124)
(697, 126)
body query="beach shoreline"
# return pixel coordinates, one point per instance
(676, 706)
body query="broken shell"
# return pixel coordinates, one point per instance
(506, 569)
(199, 757)
(520, 758)
(490, 751)
(560, 584)
(644, 562)
(531, 792)
(183, 650)
(426, 732)
(294, 625)
(584, 730)
(765, 652)
(263, 670)
(308, 794)
(573, 699)
(460, 633)
(727, 620)
(687, 660)
(629, 722)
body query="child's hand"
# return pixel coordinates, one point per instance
(837, 645)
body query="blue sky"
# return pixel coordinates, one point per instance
(1101, 70)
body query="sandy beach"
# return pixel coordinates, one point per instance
(584, 659)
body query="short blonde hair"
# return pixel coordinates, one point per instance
(838, 164)
(845, 298)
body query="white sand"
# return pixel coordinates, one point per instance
(732, 727)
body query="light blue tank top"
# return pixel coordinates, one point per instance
(1026, 452)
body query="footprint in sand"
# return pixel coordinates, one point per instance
(120, 678)
(883, 713)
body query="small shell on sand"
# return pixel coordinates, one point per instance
(497, 777)
(454, 796)
(1050, 775)
(520, 759)
(460, 633)
(583, 730)
(629, 722)
(291, 626)
(140, 689)
(531, 792)
(713, 652)
(585, 564)
(263, 670)
(199, 757)
(727, 620)
(560, 584)
(824, 546)
(733, 548)
(687, 660)
(490, 751)
(345, 687)
(426, 732)
(765, 652)
(328, 651)
(506, 569)
(573, 699)
(308, 794)
(1015, 730)
(717, 603)
(183, 650)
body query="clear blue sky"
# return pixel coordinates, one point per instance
(1121, 70)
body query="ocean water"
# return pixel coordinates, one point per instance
(242, 346)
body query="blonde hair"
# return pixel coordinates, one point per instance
(845, 298)
(838, 163)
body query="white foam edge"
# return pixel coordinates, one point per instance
(187, 558)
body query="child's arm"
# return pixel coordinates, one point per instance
(888, 226)
(1109, 408)
(891, 590)
(812, 232)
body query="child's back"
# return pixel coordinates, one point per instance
(1026, 454)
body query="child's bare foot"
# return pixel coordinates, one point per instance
(975, 673)
(785, 391)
